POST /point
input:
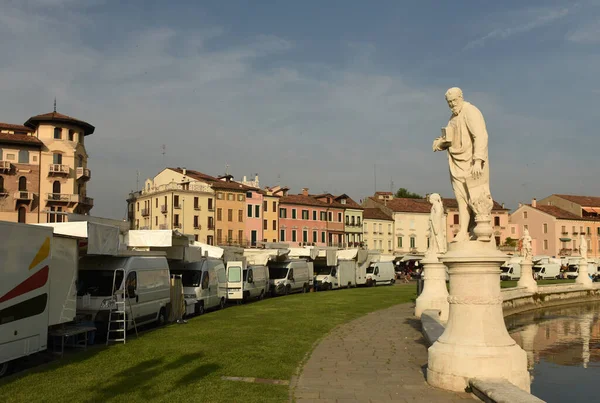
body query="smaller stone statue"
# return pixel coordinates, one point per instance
(583, 246)
(437, 227)
(526, 249)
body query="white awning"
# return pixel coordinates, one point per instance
(347, 254)
(101, 239)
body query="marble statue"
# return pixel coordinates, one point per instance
(526, 249)
(466, 140)
(437, 226)
(583, 246)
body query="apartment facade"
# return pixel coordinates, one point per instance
(353, 218)
(271, 214)
(231, 210)
(378, 230)
(175, 199)
(254, 216)
(50, 173)
(557, 232)
(336, 229)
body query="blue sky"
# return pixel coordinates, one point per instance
(311, 94)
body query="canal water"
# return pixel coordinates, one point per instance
(563, 351)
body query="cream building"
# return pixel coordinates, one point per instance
(353, 217)
(43, 169)
(378, 230)
(176, 199)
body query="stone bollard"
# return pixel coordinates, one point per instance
(583, 277)
(435, 293)
(475, 343)
(526, 279)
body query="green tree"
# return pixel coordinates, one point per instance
(510, 242)
(402, 192)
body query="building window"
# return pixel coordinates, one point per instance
(230, 215)
(241, 236)
(23, 157)
(526, 227)
(209, 240)
(265, 225)
(22, 214)
(57, 158)
(274, 225)
(176, 220)
(71, 135)
(330, 216)
(282, 235)
(196, 224)
(230, 196)
(196, 237)
(176, 201)
(497, 221)
(340, 217)
(322, 236)
(400, 242)
(229, 235)
(524, 215)
(589, 231)
(305, 214)
(314, 237)
(240, 197)
(22, 184)
(545, 244)
(1, 184)
(249, 210)
(294, 235)
(323, 217)
(248, 195)
(211, 224)
(156, 220)
(257, 211)
(389, 245)
(219, 214)
(305, 236)
(219, 195)
(574, 244)
(315, 216)
(210, 204)
(545, 228)
(598, 230)
(219, 236)
(57, 133)
(563, 229)
(138, 206)
(240, 215)
(293, 214)
(456, 219)
(56, 189)
(412, 242)
(33, 158)
(196, 203)
(265, 205)
(282, 213)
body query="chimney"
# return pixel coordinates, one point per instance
(502, 205)
(184, 171)
(533, 202)
(244, 181)
(520, 204)
(304, 191)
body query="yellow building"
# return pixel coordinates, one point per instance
(378, 230)
(271, 214)
(176, 199)
(43, 169)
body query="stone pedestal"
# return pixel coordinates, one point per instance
(435, 293)
(583, 277)
(475, 343)
(526, 279)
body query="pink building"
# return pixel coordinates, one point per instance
(254, 231)
(500, 221)
(303, 219)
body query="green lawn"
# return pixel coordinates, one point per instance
(513, 283)
(266, 339)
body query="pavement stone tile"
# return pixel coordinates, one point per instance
(377, 358)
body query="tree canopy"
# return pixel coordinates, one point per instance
(402, 192)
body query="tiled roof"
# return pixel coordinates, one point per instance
(405, 205)
(349, 202)
(560, 213)
(16, 128)
(214, 182)
(34, 121)
(304, 200)
(584, 201)
(384, 193)
(375, 214)
(20, 139)
(450, 203)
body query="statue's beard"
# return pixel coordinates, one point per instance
(456, 110)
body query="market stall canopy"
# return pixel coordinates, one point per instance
(347, 254)
(99, 239)
(213, 251)
(149, 238)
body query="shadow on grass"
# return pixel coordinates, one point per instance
(143, 377)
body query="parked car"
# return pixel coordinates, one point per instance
(291, 276)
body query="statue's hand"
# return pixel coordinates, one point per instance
(477, 169)
(437, 144)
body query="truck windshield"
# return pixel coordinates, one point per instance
(278, 272)
(370, 269)
(537, 269)
(505, 269)
(97, 283)
(322, 270)
(234, 274)
(189, 278)
(572, 269)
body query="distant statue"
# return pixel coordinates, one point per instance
(526, 249)
(466, 140)
(437, 226)
(583, 246)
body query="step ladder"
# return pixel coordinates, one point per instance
(120, 312)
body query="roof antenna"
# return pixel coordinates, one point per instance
(54, 104)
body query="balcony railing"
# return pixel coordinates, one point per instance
(564, 233)
(192, 187)
(177, 206)
(163, 208)
(83, 173)
(62, 197)
(145, 212)
(88, 201)
(197, 208)
(23, 195)
(58, 169)
(177, 225)
(3, 192)
(211, 227)
(163, 226)
(5, 166)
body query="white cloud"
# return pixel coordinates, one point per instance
(534, 19)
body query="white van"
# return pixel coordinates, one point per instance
(204, 284)
(246, 282)
(511, 269)
(145, 277)
(381, 273)
(343, 275)
(291, 276)
(546, 269)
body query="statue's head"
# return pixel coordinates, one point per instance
(434, 198)
(525, 232)
(454, 97)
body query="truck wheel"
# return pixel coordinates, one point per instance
(374, 283)
(288, 289)
(162, 317)
(4, 369)
(222, 303)
(199, 308)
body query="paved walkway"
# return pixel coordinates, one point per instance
(380, 357)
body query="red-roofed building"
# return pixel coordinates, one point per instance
(43, 169)
(378, 230)
(556, 231)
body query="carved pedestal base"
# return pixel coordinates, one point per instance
(526, 279)
(475, 343)
(435, 293)
(583, 277)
